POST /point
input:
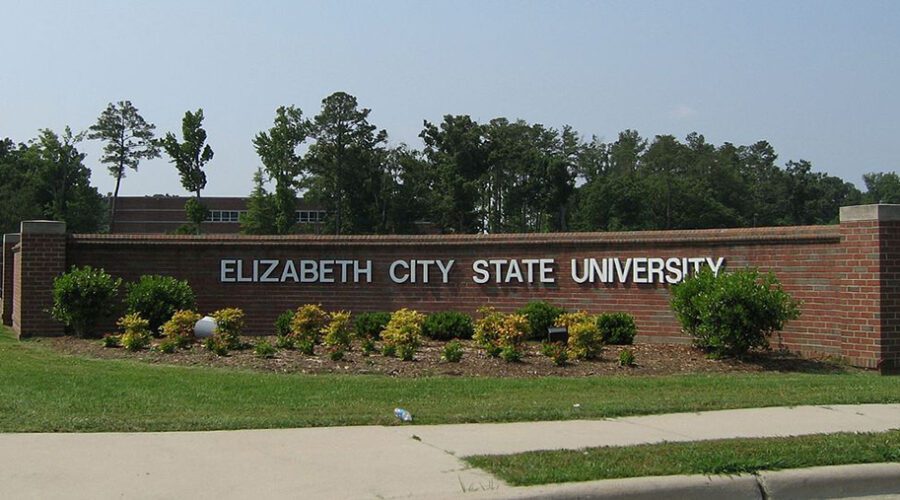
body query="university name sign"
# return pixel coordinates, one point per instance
(638, 270)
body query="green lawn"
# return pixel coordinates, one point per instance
(727, 456)
(43, 391)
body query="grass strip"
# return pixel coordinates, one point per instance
(44, 391)
(726, 456)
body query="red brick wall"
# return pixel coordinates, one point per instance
(9, 241)
(40, 258)
(803, 258)
(847, 277)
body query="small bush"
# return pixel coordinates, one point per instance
(283, 323)
(626, 357)
(307, 347)
(284, 342)
(585, 341)
(541, 316)
(404, 332)
(111, 341)
(370, 325)
(556, 351)
(511, 354)
(264, 350)
(83, 296)
(307, 324)
(388, 350)
(448, 325)
(367, 346)
(156, 298)
(617, 328)
(452, 352)
(495, 331)
(168, 345)
(181, 327)
(729, 314)
(336, 353)
(136, 332)
(338, 334)
(216, 345)
(229, 326)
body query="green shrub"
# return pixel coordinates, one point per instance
(216, 345)
(731, 313)
(83, 296)
(111, 341)
(388, 350)
(283, 323)
(338, 334)
(307, 347)
(541, 316)
(136, 332)
(511, 354)
(556, 351)
(168, 345)
(156, 298)
(404, 333)
(336, 353)
(626, 357)
(495, 331)
(284, 342)
(448, 325)
(452, 352)
(370, 325)
(585, 341)
(180, 327)
(367, 346)
(307, 324)
(229, 326)
(264, 349)
(617, 328)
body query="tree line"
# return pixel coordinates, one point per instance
(470, 177)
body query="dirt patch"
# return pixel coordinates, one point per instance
(650, 359)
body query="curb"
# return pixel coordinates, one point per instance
(838, 481)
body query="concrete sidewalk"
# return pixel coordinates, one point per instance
(373, 462)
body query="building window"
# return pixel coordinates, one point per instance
(224, 215)
(310, 216)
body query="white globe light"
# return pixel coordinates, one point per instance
(206, 327)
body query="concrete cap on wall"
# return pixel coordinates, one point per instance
(870, 212)
(43, 227)
(10, 238)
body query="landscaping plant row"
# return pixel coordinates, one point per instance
(726, 314)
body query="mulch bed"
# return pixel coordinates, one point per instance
(651, 359)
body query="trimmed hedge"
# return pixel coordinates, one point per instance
(448, 325)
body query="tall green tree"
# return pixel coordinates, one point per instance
(278, 148)
(347, 165)
(189, 158)
(261, 210)
(128, 139)
(18, 189)
(882, 187)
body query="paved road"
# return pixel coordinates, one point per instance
(367, 462)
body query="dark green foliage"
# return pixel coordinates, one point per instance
(111, 341)
(307, 347)
(196, 212)
(261, 210)
(406, 352)
(216, 345)
(388, 350)
(83, 296)
(263, 349)
(336, 353)
(626, 357)
(541, 316)
(557, 351)
(157, 298)
(367, 346)
(278, 149)
(448, 325)
(452, 352)
(370, 325)
(168, 346)
(283, 323)
(511, 354)
(731, 313)
(128, 139)
(617, 328)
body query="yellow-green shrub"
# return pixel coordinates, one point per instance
(487, 329)
(339, 332)
(180, 328)
(308, 322)
(403, 333)
(229, 326)
(585, 339)
(136, 332)
(496, 332)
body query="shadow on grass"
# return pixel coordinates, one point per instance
(786, 361)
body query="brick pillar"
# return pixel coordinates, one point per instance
(870, 236)
(41, 257)
(9, 241)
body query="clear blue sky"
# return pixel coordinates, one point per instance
(820, 80)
